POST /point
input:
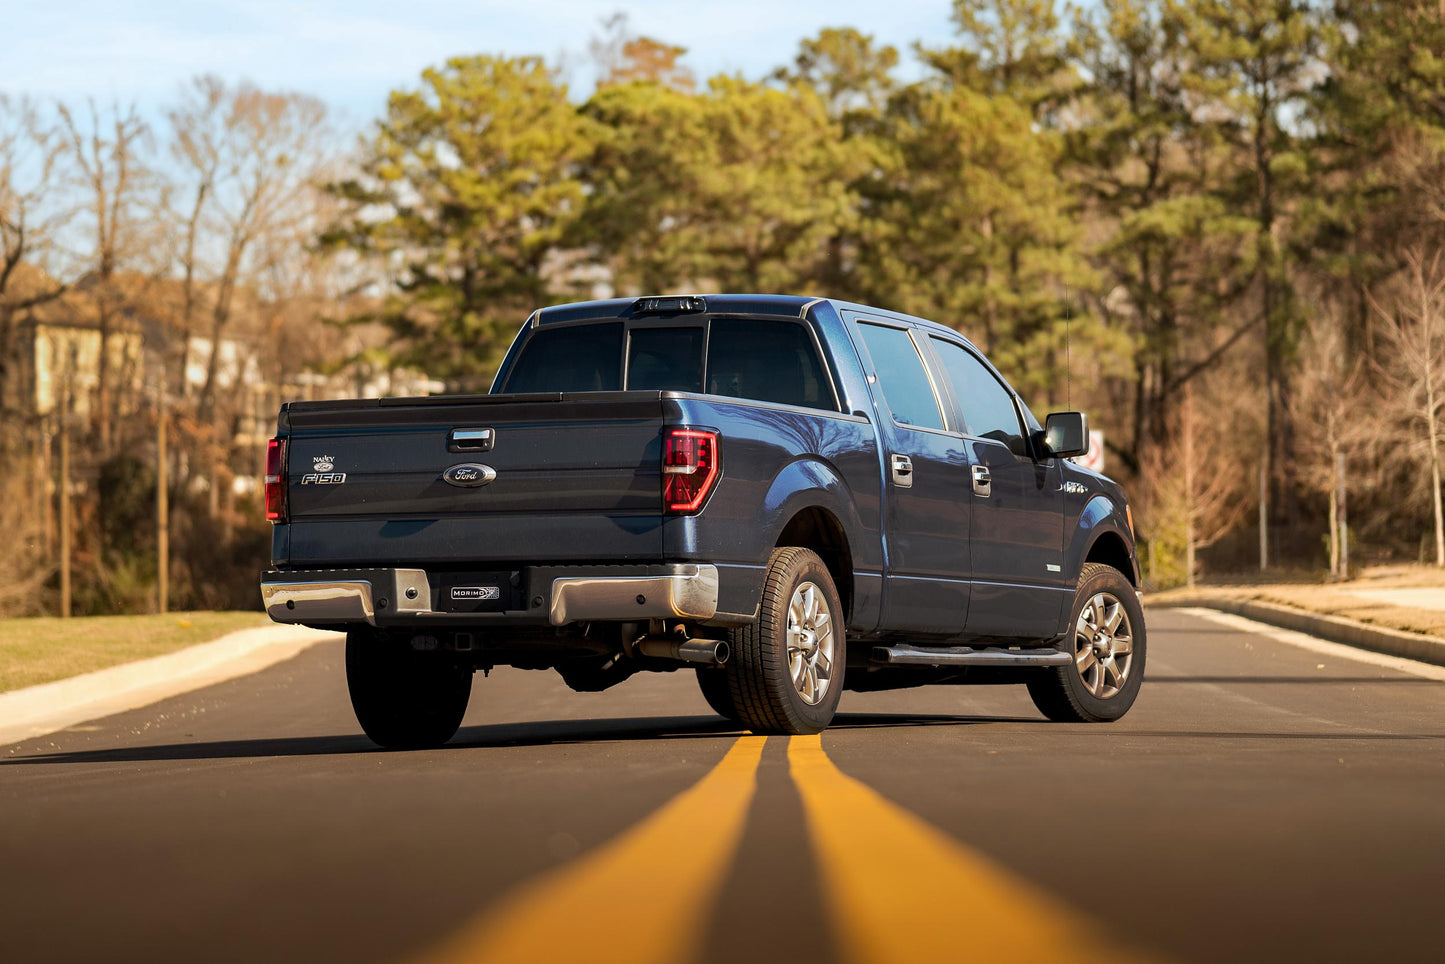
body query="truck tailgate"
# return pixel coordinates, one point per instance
(577, 478)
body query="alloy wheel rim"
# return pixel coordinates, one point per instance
(811, 643)
(1103, 645)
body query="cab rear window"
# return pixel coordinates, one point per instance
(578, 358)
(758, 359)
(769, 361)
(665, 359)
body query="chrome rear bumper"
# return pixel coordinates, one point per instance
(570, 594)
(310, 597)
(319, 602)
(689, 593)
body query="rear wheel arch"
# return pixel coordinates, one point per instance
(815, 527)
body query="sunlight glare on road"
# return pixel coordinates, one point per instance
(644, 898)
(900, 891)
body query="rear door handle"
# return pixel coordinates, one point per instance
(470, 440)
(982, 481)
(903, 471)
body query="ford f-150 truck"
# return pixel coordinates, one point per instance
(789, 496)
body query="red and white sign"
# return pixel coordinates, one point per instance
(1094, 458)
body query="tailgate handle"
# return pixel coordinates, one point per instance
(470, 440)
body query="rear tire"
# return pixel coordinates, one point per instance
(1107, 639)
(404, 700)
(786, 670)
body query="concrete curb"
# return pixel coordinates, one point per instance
(1337, 629)
(38, 710)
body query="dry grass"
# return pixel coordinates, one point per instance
(1336, 598)
(45, 648)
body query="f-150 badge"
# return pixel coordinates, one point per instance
(325, 472)
(469, 475)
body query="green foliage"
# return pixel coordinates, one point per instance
(1252, 62)
(1392, 55)
(1176, 255)
(1380, 148)
(844, 67)
(973, 228)
(975, 224)
(1163, 559)
(736, 188)
(467, 188)
(127, 505)
(1011, 48)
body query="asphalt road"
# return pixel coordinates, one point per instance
(1262, 802)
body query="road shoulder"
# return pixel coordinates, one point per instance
(1336, 629)
(39, 710)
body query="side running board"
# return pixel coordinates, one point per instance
(906, 654)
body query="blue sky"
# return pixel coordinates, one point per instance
(351, 53)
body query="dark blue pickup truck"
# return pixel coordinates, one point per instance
(790, 496)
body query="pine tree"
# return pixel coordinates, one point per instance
(1165, 240)
(973, 222)
(737, 188)
(468, 188)
(1252, 65)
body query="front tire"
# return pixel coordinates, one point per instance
(786, 671)
(1109, 644)
(403, 699)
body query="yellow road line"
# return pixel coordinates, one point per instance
(644, 898)
(900, 891)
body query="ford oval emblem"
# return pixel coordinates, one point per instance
(469, 475)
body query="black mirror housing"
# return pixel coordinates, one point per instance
(1066, 434)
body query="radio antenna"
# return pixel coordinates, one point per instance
(1068, 358)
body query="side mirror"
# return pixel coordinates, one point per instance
(1066, 434)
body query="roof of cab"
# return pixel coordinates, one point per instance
(790, 306)
(786, 305)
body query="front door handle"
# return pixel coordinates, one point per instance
(982, 481)
(903, 471)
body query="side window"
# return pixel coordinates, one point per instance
(988, 408)
(902, 376)
(574, 358)
(665, 360)
(767, 361)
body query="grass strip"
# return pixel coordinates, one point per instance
(42, 649)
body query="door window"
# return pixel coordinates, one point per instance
(902, 377)
(987, 407)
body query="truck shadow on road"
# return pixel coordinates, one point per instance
(486, 736)
(1309, 680)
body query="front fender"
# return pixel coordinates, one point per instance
(1101, 514)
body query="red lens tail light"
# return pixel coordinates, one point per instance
(689, 468)
(276, 480)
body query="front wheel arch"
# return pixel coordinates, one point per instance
(1109, 549)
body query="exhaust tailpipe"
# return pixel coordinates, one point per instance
(707, 652)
